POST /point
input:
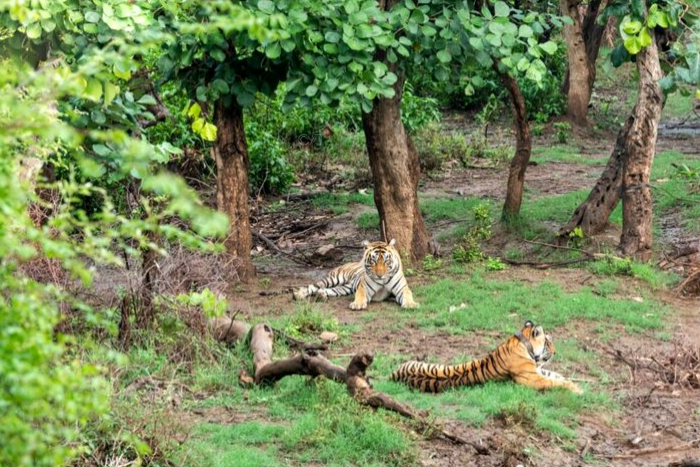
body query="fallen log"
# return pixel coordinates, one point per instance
(311, 363)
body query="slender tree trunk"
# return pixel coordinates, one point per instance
(593, 37)
(592, 215)
(636, 240)
(231, 152)
(580, 83)
(396, 171)
(395, 168)
(523, 148)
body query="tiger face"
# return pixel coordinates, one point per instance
(381, 261)
(542, 344)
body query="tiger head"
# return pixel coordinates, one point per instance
(381, 260)
(540, 343)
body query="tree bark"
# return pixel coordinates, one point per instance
(523, 147)
(396, 172)
(231, 153)
(580, 83)
(592, 215)
(395, 168)
(636, 240)
(593, 37)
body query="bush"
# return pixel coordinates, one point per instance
(480, 148)
(468, 250)
(562, 131)
(435, 147)
(269, 170)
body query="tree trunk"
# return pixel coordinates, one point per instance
(592, 215)
(593, 36)
(396, 171)
(523, 147)
(231, 152)
(580, 88)
(636, 237)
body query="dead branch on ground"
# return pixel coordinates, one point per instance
(312, 363)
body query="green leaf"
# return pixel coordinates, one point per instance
(619, 55)
(220, 86)
(502, 9)
(633, 45)
(444, 56)
(194, 111)
(311, 91)
(92, 17)
(197, 125)
(632, 27)
(525, 31)
(644, 37)
(333, 37)
(273, 50)
(111, 91)
(549, 47)
(34, 31)
(93, 90)
(48, 25)
(217, 54)
(208, 132)
(266, 6)
(121, 70)
(201, 94)
(147, 99)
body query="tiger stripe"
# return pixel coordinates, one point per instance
(376, 277)
(518, 358)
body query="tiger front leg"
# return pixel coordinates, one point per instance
(537, 381)
(403, 294)
(361, 297)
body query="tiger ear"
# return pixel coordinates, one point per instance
(392, 242)
(365, 243)
(528, 324)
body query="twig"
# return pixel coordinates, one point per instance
(655, 450)
(274, 247)
(552, 264)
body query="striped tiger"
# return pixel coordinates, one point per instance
(376, 277)
(520, 358)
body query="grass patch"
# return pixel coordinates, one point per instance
(506, 305)
(611, 266)
(434, 210)
(339, 203)
(563, 153)
(308, 423)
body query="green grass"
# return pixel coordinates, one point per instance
(656, 278)
(563, 153)
(506, 305)
(306, 423)
(339, 203)
(434, 211)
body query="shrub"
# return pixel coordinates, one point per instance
(434, 147)
(562, 131)
(269, 170)
(468, 250)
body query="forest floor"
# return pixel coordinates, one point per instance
(621, 329)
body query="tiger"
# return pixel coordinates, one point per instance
(520, 358)
(376, 277)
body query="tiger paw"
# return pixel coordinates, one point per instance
(575, 389)
(299, 294)
(358, 306)
(410, 305)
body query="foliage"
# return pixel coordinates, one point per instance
(269, 171)
(468, 249)
(434, 147)
(431, 263)
(494, 264)
(562, 131)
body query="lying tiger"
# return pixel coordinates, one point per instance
(519, 358)
(375, 278)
